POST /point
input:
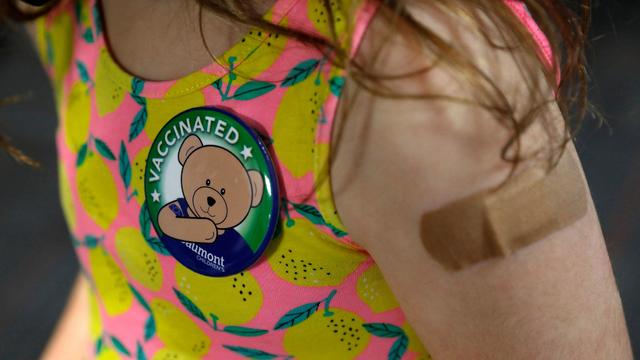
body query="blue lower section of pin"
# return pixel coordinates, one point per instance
(228, 255)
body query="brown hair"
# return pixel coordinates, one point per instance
(565, 28)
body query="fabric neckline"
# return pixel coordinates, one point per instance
(195, 80)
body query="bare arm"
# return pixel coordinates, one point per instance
(555, 299)
(72, 331)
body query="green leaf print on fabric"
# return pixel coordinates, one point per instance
(83, 72)
(140, 298)
(337, 232)
(104, 150)
(297, 315)
(140, 120)
(136, 86)
(244, 331)
(91, 241)
(252, 90)
(124, 165)
(97, 20)
(398, 348)
(138, 123)
(145, 227)
(190, 306)
(82, 154)
(78, 11)
(145, 220)
(300, 72)
(150, 323)
(98, 345)
(383, 330)
(386, 330)
(251, 353)
(119, 346)
(149, 328)
(310, 213)
(303, 312)
(336, 84)
(88, 36)
(313, 215)
(140, 355)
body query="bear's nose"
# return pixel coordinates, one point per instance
(211, 201)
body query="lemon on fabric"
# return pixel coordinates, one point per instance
(177, 331)
(77, 116)
(54, 41)
(97, 190)
(256, 52)
(184, 94)
(111, 283)
(339, 336)
(294, 128)
(114, 84)
(137, 174)
(234, 299)
(320, 18)
(305, 256)
(64, 191)
(372, 288)
(138, 258)
(168, 354)
(95, 320)
(108, 353)
(415, 344)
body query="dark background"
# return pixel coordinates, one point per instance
(37, 264)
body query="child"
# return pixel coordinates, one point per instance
(137, 82)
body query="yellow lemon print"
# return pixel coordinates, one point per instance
(320, 18)
(108, 353)
(305, 256)
(176, 330)
(294, 129)
(139, 259)
(59, 43)
(374, 291)
(111, 284)
(77, 116)
(256, 52)
(137, 174)
(167, 354)
(339, 336)
(161, 110)
(97, 190)
(64, 190)
(114, 84)
(233, 299)
(95, 320)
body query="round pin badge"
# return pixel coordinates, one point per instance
(211, 191)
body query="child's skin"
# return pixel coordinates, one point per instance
(554, 299)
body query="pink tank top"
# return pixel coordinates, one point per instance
(312, 294)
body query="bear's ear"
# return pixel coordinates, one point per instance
(257, 187)
(191, 143)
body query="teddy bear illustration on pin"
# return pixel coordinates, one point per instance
(218, 193)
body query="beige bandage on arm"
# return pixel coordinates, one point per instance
(526, 209)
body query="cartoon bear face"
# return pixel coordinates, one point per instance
(216, 185)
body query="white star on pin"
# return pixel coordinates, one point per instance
(246, 152)
(155, 195)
